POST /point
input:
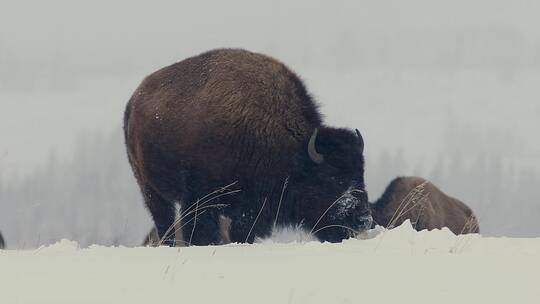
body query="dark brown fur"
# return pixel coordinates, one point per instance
(425, 205)
(231, 116)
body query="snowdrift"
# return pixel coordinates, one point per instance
(395, 266)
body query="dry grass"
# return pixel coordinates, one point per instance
(200, 205)
(470, 225)
(285, 184)
(417, 197)
(324, 213)
(352, 231)
(256, 218)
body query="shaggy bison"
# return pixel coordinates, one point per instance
(235, 133)
(425, 205)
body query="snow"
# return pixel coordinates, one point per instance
(399, 266)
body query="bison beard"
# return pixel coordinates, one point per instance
(235, 133)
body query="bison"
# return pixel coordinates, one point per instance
(235, 133)
(425, 205)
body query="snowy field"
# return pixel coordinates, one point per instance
(397, 266)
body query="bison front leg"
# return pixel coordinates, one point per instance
(201, 227)
(247, 225)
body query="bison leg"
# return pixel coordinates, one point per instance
(240, 233)
(201, 227)
(246, 233)
(163, 214)
(246, 225)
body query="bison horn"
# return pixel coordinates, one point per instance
(360, 140)
(315, 156)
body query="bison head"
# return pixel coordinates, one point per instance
(334, 203)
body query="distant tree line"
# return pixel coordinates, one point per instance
(93, 197)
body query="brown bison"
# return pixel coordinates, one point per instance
(235, 133)
(425, 205)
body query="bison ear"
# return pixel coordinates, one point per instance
(360, 140)
(315, 156)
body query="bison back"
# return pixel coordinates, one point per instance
(225, 115)
(425, 205)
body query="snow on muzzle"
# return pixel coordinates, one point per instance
(352, 208)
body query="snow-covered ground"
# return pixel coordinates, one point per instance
(397, 266)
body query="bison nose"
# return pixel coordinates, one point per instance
(365, 222)
(365, 213)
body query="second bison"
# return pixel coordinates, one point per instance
(235, 133)
(425, 205)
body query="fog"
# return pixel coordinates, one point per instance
(445, 90)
